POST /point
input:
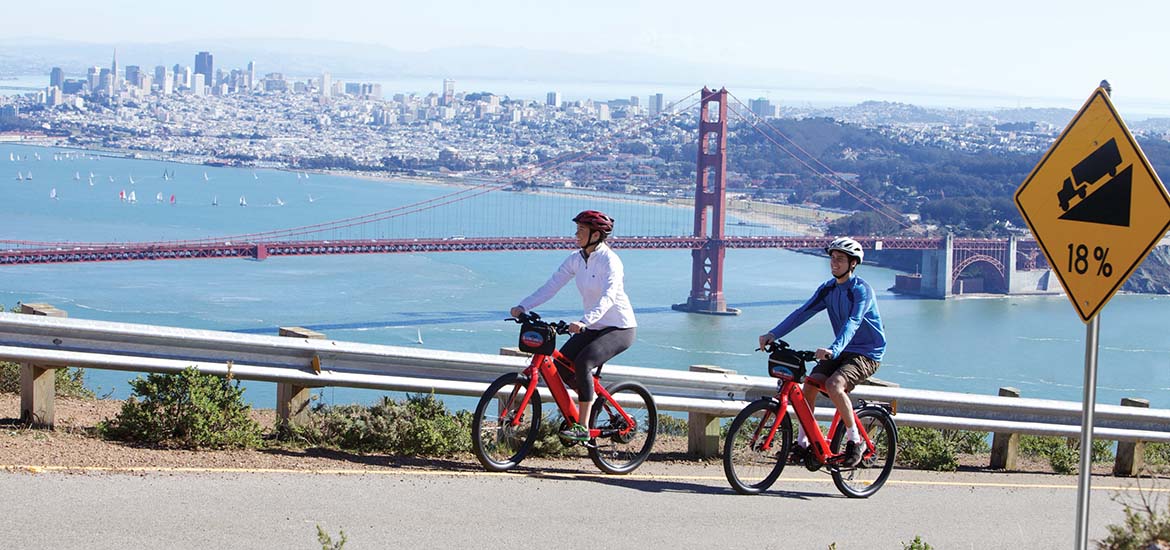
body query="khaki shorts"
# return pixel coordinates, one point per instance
(853, 367)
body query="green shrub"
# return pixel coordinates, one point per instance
(1063, 453)
(1157, 454)
(916, 544)
(926, 449)
(327, 541)
(1147, 523)
(186, 410)
(965, 442)
(548, 440)
(421, 425)
(672, 425)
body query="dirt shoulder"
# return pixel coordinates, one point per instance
(73, 444)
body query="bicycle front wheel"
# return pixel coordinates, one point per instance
(751, 466)
(623, 447)
(498, 441)
(871, 473)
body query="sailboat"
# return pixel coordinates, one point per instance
(77, 176)
(254, 176)
(38, 155)
(205, 176)
(172, 199)
(122, 195)
(158, 197)
(111, 179)
(131, 179)
(29, 176)
(19, 176)
(215, 200)
(279, 202)
(91, 175)
(133, 198)
(306, 175)
(298, 175)
(243, 201)
(311, 199)
(11, 158)
(53, 193)
(91, 181)
(419, 341)
(166, 176)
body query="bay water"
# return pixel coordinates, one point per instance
(457, 301)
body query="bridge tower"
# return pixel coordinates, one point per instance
(710, 205)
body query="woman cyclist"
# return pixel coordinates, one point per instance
(607, 327)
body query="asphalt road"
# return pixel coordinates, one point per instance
(560, 505)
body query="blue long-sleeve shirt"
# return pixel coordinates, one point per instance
(853, 313)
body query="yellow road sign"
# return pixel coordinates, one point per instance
(1095, 205)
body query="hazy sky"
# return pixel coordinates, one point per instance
(1016, 46)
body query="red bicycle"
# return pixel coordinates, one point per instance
(759, 442)
(622, 424)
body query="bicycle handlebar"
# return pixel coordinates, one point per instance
(779, 345)
(560, 327)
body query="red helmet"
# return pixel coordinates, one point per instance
(595, 220)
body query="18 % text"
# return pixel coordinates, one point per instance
(1078, 260)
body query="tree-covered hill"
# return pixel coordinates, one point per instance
(960, 178)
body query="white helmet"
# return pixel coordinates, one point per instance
(848, 246)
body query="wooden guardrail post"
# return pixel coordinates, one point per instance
(38, 387)
(703, 428)
(1005, 447)
(292, 400)
(1130, 454)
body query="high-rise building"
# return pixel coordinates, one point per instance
(56, 77)
(160, 75)
(448, 97)
(554, 99)
(205, 66)
(105, 83)
(656, 104)
(199, 84)
(115, 80)
(251, 75)
(762, 107)
(93, 76)
(134, 76)
(326, 85)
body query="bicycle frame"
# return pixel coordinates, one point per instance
(545, 366)
(791, 393)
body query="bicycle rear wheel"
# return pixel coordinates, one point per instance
(626, 449)
(498, 444)
(748, 465)
(868, 476)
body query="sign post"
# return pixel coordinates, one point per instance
(1096, 208)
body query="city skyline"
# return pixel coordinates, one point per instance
(1005, 47)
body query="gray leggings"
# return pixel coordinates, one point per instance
(591, 349)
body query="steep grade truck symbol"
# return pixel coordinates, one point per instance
(1098, 164)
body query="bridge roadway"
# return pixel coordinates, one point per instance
(453, 504)
(52, 253)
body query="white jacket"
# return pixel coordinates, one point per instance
(600, 279)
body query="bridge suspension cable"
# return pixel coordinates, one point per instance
(824, 172)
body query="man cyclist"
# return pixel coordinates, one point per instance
(608, 316)
(856, 351)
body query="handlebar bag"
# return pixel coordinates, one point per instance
(537, 338)
(785, 363)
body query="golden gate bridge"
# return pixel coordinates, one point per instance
(707, 237)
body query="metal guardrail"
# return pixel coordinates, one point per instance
(58, 342)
